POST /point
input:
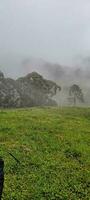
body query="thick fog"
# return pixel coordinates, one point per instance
(51, 37)
(55, 30)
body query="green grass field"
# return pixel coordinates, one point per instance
(53, 146)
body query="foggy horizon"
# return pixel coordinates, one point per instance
(44, 99)
(55, 31)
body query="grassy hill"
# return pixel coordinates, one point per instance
(53, 147)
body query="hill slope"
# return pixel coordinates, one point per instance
(31, 90)
(52, 146)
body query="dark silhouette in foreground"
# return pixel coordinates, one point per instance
(1, 176)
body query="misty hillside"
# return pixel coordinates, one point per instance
(27, 91)
(64, 76)
(15, 66)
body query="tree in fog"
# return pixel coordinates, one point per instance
(31, 90)
(76, 94)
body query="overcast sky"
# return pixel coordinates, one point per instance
(55, 30)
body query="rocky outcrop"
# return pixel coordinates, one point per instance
(31, 90)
